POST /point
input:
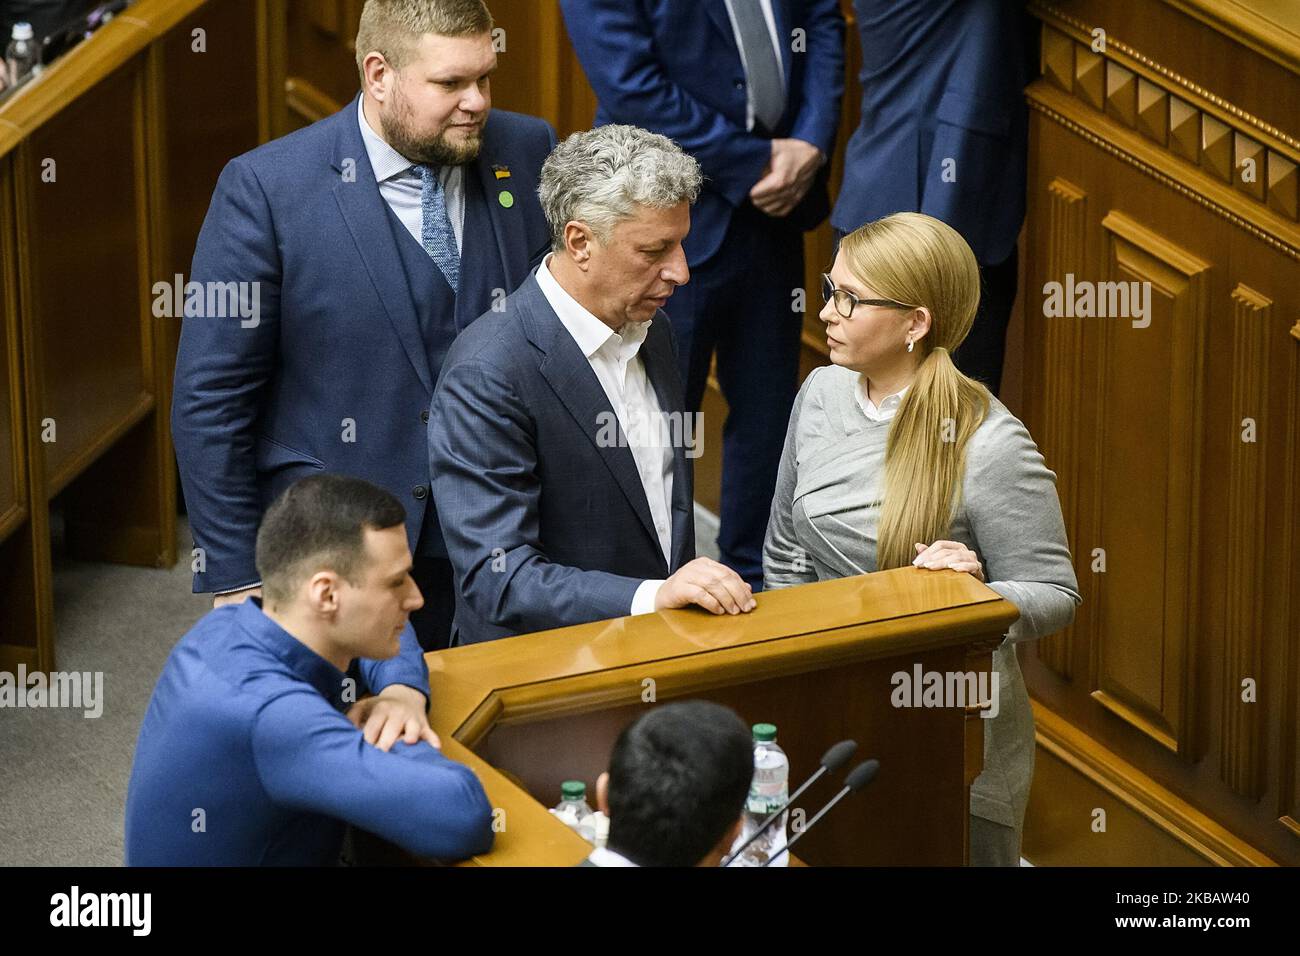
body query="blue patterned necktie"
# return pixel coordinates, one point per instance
(435, 232)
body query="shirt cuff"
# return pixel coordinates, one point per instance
(643, 601)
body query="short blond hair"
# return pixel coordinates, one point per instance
(393, 27)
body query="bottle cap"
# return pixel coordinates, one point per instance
(765, 733)
(22, 31)
(573, 790)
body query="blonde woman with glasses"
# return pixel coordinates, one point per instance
(894, 457)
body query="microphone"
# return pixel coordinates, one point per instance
(831, 761)
(858, 777)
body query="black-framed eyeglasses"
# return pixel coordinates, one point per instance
(846, 301)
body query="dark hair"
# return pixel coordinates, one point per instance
(678, 778)
(319, 522)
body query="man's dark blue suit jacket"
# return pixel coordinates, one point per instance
(943, 119)
(340, 336)
(545, 518)
(673, 66)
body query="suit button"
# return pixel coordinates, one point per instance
(420, 492)
(424, 416)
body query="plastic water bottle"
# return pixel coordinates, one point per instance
(574, 810)
(21, 57)
(769, 791)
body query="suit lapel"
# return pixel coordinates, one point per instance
(717, 11)
(364, 212)
(507, 223)
(570, 376)
(781, 16)
(660, 368)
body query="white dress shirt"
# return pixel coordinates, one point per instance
(888, 405)
(400, 185)
(776, 44)
(615, 360)
(604, 856)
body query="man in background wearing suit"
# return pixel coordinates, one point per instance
(676, 786)
(367, 241)
(558, 436)
(943, 132)
(751, 89)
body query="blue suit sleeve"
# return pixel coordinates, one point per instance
(818, 115)
(406, 667)
(223, 366)
(310, 758)
(484, 466)
(613, 41)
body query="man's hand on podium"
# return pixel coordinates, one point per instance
(712, 586)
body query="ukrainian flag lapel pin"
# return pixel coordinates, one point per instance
(505, 197)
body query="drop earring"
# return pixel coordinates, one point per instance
(910, 343)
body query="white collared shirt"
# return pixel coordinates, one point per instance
(400, 183)
(770, 17)
(615, 360)
(604, 856)
(888, 405)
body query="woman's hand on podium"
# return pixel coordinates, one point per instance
(949, 554)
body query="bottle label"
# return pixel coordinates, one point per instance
(769, 792)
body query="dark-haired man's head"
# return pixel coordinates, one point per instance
(676, 785)
(335, 567)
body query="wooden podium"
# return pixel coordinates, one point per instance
(531, 711)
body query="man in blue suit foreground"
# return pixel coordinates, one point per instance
(559, 440)
(252, 752)
(366, 242)
(751, 89)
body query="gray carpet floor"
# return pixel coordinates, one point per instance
(63, 776)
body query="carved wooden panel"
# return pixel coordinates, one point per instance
(1062, 376)
(1145, 516)
(1191, 187)
(84, 300)
(1240, 744)
(13, 493)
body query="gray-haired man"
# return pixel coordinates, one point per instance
(558, 437)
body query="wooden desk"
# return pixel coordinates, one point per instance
(530, 711)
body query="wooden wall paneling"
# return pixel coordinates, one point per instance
(1202, 584)
(90, 313)
(26, 602)
(1147, 519)
(272, 44)
(1062, 381)
(1288, 723)
(1240, 756)
(14, 500)
(1145, 823)
(320, 65)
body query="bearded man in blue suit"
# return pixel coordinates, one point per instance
(367, 242)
